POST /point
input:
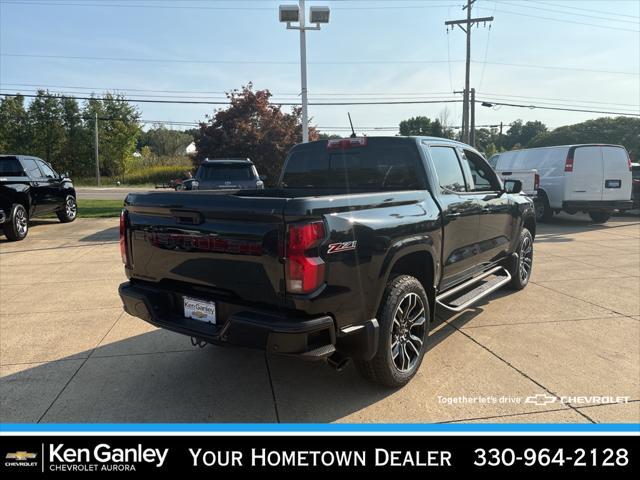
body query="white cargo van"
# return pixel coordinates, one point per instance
(595, 179)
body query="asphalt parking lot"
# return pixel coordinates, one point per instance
(69, 353)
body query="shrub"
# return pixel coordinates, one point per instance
(158, 174)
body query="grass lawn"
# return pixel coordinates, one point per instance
(99, 208)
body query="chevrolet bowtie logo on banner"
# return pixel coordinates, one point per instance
(21, 456)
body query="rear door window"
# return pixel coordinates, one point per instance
(31, 168)
(448, 169)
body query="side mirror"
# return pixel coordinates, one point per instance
(512, 186)
(263, 177)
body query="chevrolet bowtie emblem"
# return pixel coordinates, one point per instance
(21, 456)
(541, 399)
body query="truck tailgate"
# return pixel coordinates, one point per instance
(227, 243)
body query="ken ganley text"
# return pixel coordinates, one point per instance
(262, 457)
(103, 457)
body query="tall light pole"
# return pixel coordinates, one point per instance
(290, 14)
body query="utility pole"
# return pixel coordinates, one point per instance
(500, 137)
(96, 149)
(468, 23)
(303, 75)
(472, 131)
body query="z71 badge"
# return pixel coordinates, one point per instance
(342, 247)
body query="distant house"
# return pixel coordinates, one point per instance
(191, 149)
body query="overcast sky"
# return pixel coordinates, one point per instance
(581, 54)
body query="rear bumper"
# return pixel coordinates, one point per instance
(597, 205)
(274, 332)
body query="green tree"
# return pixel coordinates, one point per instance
(523, 133)
(74, 156)
(251, 127)
(118, 131)
(422, 126)
(46, 127)
(164, 141)
(618, 131)
(14, 124)
(328, 136)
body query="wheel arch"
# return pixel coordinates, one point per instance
(416, 259)
(529, 222)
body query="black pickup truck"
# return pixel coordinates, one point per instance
(29, 187)
(348, 257)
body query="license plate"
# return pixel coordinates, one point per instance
(200, 310)
(612, 183)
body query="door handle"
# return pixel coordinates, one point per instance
(453, 215)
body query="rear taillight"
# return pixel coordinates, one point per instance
(343, 143)
(568, 164)
(536, 182)
(305, 269)
(123, 237)
(629, 163)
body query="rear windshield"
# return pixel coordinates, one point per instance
(383, 164)
(225, 172)
(10, 167)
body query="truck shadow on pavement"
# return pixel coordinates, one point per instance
(111, 234)
(32, 224)
(159, 377)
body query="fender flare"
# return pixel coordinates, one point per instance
(399, 250)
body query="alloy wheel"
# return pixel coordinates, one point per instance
(21, 221)
(526, 258)
(71, 208)
(408, 332)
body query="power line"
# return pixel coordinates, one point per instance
(293, 94)
(559, 99)
(564, 109)
(199, 7)
(563, 20)
(524, 5)
(583, 9)
(198, 102)
(531, 106)
(333, 62)
(412, 95)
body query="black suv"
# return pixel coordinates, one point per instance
(225, 174)
(29, 187)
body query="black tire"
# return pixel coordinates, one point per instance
(397, 327)
(521, 268)
(17, 227)
(69, 211)
(600, 217)
(544, 213)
